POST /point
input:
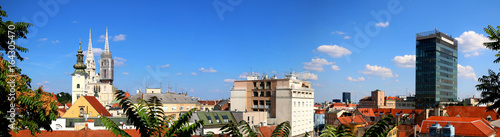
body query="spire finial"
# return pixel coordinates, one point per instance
(80, 43)
(90, 39)
(106, 44)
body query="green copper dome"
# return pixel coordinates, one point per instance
(79, 66)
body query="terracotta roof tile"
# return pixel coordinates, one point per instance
(470, 111)
(97, 106)
(68, 104)
(464, 126)
(75, 133)
(319, 111)
(368, 112)
(349, 119)
(267, 131)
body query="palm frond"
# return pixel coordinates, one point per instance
(282, 130)
(111, 126)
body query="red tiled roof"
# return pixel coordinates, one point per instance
(352, 105)
(349, 119)
(386, 111)
(127, 95)
(470, 111)
(336, 105)
(368, 112)
(464, 126)
(68, 104)
(74, 133)
(115, 105)
(61, 111)
(320, 111)
(208, 102)
(317, 105)
(267, 131)
(392, 98)
(54, 96)
(97, 106)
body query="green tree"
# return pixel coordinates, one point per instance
(34, 108)
(149, 119)
(7, 38)
(490, 84)
(242, 129)
(63, 97)
(380, 128)
(339, 131)
(494, 36)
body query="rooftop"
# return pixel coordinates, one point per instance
(463, 126)
(166, 98)
(470, 111)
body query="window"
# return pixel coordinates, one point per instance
(209, 119)
(174, 108)
(182, 108)
(192, 107)
(77, 85)
(255, 94)
(226, 119)
(217, 119)
(165, 108)
(187, 108)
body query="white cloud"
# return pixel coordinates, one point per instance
(148, 66)
(165, 66)
(179, 73)
(119, 61)
(466, 72)
(101, 38)
(316, 64)
(356, 80)
(125, 73)
(229, 80)
(396, 75)
(192, 73)
(209, 70)
(397, 80)
(307, 76)
(475, 53)
(39, 83)
(406, 61)
(335, 67)
(377, 71)
(470, 41)
(46, 82)
(244, 75)
(55, 41)
(97, 52)
(74, 21)
(334, 51)
(382, 24)
(119, 37)
(339, 32)
(42, 39)
(347, 37)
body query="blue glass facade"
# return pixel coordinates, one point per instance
(346, 97)
(436, 69)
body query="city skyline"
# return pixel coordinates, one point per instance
(200, 49)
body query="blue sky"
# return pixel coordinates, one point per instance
(199, 47)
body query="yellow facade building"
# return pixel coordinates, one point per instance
(86, 105)
(173, 104)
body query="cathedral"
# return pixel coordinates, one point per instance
(86, 81)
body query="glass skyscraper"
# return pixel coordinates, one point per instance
(436, 69)
(346, 97)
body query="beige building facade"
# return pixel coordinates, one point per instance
(287, 99)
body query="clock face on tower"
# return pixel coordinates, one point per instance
(105, 63)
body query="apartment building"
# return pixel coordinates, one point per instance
(286, 99)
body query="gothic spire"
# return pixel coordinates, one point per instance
(90, 54)
(106, 45)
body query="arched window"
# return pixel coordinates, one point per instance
(77, 85)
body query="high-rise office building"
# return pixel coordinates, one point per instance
(346, 97)
(436, 69)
